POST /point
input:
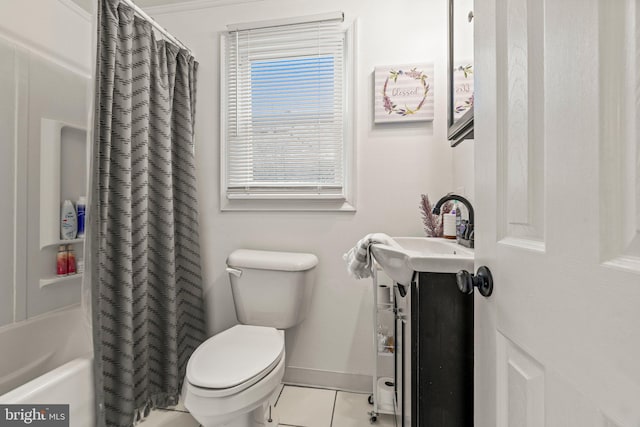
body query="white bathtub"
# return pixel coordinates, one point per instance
(47, 360)
(71, 383)
(36, 346)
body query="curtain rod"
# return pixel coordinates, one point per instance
(157, 26)
(334, 16)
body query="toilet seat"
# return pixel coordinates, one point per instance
(234, 360)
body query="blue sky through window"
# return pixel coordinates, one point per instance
(290, 100)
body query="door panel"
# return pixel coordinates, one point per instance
(557, 116)
(620, 139)
(520, 70)
(520, 386)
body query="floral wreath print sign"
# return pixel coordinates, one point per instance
(462, 88)
(403, 93)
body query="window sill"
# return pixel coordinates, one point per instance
(287, 205)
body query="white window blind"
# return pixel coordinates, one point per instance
(285, 112)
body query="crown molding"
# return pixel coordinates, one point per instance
(18, 42)
(193, 5)
(77, 9)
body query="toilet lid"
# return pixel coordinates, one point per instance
(235, 356)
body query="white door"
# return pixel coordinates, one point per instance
(557, 167)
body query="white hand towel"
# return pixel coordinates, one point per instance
(358, 258)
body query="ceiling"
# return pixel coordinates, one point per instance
(87, 4)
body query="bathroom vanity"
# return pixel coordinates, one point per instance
(433, 332)
(434, 353)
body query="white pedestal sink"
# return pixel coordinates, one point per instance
(411, 254)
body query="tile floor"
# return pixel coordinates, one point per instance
(297, 407)
(313, 407)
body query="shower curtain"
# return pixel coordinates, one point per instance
(146, 283)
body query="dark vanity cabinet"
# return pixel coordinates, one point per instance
(434, 353)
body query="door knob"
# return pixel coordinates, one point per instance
(482, 280)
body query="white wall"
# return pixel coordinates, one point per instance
(7, 182)
(45, 67)
(59, 30)
(395, 164)
(462, 168)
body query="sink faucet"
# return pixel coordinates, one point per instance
(466, 239)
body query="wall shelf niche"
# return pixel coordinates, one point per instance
(63, 176)
(44, 282)
(62, 242)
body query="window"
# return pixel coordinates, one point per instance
(283, 116)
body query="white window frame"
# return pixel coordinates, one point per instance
(299, 202)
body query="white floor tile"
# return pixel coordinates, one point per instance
(352, 410)
(305, 407)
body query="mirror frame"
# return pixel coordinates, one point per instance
(463, 128)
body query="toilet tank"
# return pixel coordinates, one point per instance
(271, 288)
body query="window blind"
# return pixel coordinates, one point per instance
(285, 111)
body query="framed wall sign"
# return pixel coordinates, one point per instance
(403, 93)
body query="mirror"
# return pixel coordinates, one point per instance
(461, 71)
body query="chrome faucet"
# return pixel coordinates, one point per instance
(466, 237)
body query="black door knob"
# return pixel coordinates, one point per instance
(482, 280)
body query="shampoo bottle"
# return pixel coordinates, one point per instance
(68, 224)
(81, 206)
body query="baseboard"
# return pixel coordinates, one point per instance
(328, 379)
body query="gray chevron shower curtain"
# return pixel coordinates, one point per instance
(147, 305)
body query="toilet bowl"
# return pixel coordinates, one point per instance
(234, 373)
(232, 377)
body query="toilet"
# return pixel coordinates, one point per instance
(232, 376)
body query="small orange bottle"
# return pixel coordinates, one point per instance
(61, 261)
(71, 260)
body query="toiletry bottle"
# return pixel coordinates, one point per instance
(71, 260)
(463, 229)
(449, 225)
(81, 207)
(390, 344)
(382, 339)
(61, 261)
(68, 224)
(458, 221)
(80, 266)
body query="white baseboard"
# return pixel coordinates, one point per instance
(328, 379)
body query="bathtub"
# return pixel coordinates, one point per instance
(71, 383)
(48, 360)
(41, 344)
